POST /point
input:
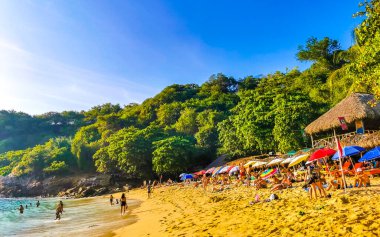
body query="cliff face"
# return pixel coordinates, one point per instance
(79, 185)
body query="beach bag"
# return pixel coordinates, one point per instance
(273, 197)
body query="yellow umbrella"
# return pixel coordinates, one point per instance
(298, 159)
(249, 163)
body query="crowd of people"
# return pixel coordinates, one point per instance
(316, 180)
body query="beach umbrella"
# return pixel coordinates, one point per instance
(321, 153)
(371, 155)
(348, 151)
(287, 160)
(187, 176)
(224, 170)
(202, 172)
(298, 159)
(268, 173)
(259, 163)
(216, 170)
(209, 171)
(249, 163)
(230, 168)
(182, 175)
(233, 169)
(275, 162)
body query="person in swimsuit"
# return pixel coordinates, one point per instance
(205, 180)
(123, 204)
(21, 209)
(38, 203)
(149, 189)
(57, 213)
(61, 205)
(111, 200)
(59, 210)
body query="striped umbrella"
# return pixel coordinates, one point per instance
(268, 173)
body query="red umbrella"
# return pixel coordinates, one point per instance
(199, 173)
(320, 153)
(230, 168)
(209, 171)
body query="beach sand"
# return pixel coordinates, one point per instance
(189, 211)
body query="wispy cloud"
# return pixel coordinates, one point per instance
(34, 84)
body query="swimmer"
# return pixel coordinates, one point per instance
(21, 209)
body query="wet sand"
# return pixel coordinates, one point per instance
(188, 211)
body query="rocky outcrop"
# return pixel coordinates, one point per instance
(73, 186)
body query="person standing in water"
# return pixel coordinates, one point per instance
(123, 204)
(59, 210)
(21, 209)
(58, 213)
(38, 203)
(111, 200)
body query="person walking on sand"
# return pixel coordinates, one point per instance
(21, 209)
(123, 204)
(149, 189)
(111, 200)
(205, 182)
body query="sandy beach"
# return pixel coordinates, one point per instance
(189, 211)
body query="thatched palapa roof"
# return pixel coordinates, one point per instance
(370, 141)
(354, 107)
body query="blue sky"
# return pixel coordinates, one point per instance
(72, 55)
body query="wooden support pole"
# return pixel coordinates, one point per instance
(312, 140)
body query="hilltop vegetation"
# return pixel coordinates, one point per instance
(189, 125)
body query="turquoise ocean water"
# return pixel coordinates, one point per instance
(81, 217)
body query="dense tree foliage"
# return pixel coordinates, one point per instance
(173, 155)
(52, 157)
(19, 130)
(185, 126)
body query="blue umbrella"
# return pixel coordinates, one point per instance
(187, 176)
(182, 175)
(349, 151)
(371, 155)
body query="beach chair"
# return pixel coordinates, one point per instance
(356, 166)
(372, 171)
(345, 167)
